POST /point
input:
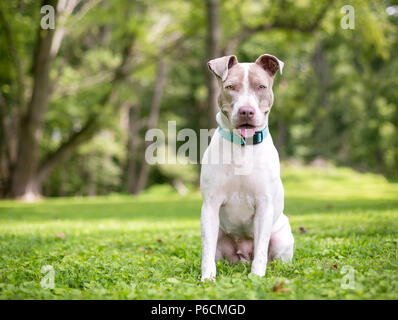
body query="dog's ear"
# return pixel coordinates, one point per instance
(220, 66)
(270, 63)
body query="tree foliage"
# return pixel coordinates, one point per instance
(336, 99)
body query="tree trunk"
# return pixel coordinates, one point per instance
(91, 184)
(213, 51)
(322, 73)
(132, 148)
(23, 179)
(30, 131)
(281, 138)
(322, 130)
(4, 157)
(142, 178)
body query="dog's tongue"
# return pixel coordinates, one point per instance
(246, 132)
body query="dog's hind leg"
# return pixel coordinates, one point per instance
(281, 242)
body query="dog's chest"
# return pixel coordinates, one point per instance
(241, 194)
(236, 214)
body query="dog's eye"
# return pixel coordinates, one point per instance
(261, 87)
(230, 87)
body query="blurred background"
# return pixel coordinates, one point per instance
(76, 101)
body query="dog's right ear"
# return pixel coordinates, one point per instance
(220, 66)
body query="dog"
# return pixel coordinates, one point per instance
(242, 213)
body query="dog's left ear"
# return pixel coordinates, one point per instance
(220, 66)
(270, 63)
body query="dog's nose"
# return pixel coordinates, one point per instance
(246, 112)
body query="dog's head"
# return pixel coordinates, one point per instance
(246, 95)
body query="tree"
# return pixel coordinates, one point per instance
(138, 177)
(213, 51)
(27, 172)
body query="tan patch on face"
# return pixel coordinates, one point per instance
(235, 77)
(258, 77)
(227, 97)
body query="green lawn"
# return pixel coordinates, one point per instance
(148, 247)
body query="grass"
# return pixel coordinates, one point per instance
(148, 247)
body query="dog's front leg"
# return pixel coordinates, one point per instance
(209, 224)
(262, 225)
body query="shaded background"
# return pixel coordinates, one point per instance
(75, 102)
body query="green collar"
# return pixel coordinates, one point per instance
(258, 137)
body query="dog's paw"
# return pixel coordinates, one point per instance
(209, 273)
(258, 268)
(208, 279)
(254, 277)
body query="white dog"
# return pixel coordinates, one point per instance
(242, 214)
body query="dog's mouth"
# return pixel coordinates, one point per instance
(246, 130)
